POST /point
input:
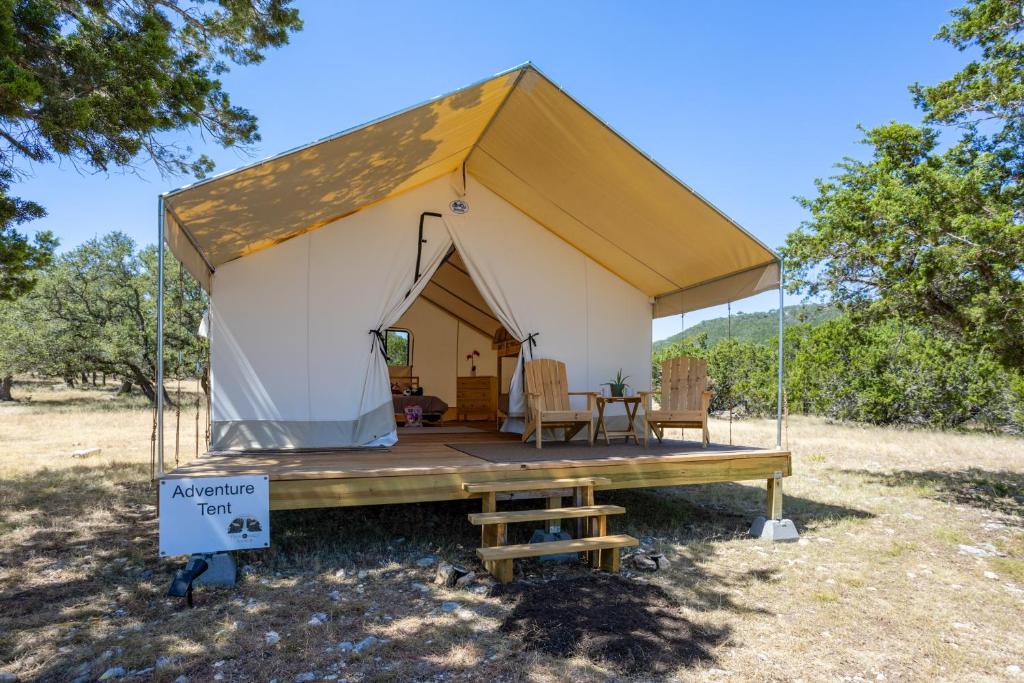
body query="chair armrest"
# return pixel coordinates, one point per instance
(591, 397)
(645, 398)
(706, 400)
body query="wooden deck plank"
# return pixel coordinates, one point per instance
(537, 485)
(429, 459)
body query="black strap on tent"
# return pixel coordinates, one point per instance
(382, 344)
(530, 341)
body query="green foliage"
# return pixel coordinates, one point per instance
(399, 345)
(94, 309)
(931, 237)
(98, 82)
(989, 88)
(883, 372)
(890, 372)
(758, 327)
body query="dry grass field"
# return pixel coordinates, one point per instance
(911, 568)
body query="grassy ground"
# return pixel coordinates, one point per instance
(882, 586)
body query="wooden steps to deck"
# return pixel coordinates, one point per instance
(497, 555)
(543, 515)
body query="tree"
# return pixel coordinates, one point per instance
(94, 309)
(97, 83)
(20, 258)
(987, 89)
(933, 238)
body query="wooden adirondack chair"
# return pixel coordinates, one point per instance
(684, 398)
(547, 402)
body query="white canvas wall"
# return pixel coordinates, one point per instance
(289, 327)
(291, 350)
(584, 314)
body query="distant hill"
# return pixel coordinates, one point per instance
(756, 327)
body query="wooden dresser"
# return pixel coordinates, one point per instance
(476, 398)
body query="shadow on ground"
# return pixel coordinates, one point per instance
(630, 627)
(993, 490)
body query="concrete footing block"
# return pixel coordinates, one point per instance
(223, 571)
(546, 537)
(774, 529)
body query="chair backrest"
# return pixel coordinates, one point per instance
(547, 377)
(683, 383)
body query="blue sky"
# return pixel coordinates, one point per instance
(746, 102)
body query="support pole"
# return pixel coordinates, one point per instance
(782, 315)
(160, 338)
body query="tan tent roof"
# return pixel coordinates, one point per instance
(529, 142)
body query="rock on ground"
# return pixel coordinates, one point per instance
(365, 644)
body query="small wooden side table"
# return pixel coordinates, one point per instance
(632, 404)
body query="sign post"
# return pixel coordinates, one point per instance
(214, 514)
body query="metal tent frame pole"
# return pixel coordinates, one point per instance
(160, 339)
(782, 362)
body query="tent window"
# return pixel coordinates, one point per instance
(399, 343)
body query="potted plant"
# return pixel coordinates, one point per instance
(618, 385)
(471, 357)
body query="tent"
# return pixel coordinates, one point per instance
(571, 237)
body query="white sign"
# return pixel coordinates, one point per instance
(211, 514)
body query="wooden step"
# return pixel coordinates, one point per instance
(576, 545)
(543, 515)
(533, 485)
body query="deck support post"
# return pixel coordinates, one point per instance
(775, 498)
(599, 527)
(610, 560)
(488, 532)
(553, 526)
(774, 527)
(502, 570)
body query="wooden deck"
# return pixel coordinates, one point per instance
(423, 467)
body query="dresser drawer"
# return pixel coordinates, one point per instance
(477, 397)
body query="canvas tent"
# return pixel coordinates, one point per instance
(567, 232)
